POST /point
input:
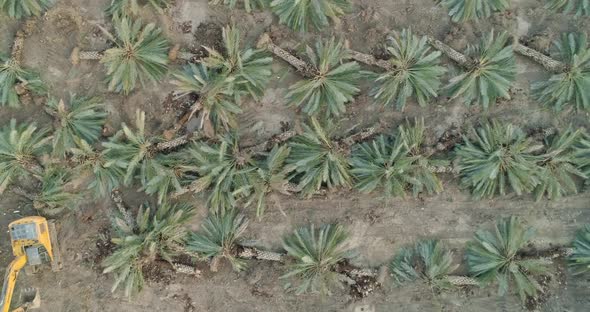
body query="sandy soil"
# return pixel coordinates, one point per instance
(378, 227)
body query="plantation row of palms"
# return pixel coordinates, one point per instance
(494, 159)
(301, 15)
(318, 258)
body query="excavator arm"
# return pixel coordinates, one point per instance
(10, 281)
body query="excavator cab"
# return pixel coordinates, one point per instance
(34, 243)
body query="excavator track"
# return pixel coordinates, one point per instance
(56, 264)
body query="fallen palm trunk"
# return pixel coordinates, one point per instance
(546, 250)
(118, 200)
(546, 61)
(78, 55)
(255, 253)
(360, 136)
(307, 70)
(461, 281)
(451, 53)
(362, 281)
(177, 142)
(268, 144)
(369, 60)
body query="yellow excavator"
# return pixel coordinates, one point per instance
(34, 243)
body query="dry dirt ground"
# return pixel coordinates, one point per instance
(378, 227)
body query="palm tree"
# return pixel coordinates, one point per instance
(317, 252)
(318, 159)
(164, 175)
(220, 238)
(270, 176)
(221, 80)
(395, 164)
(496, 157)
(571, 67)
(21, 146)
(19, 8)
(333, 83)
(249, 5)
(141, 54)
(300, 15)
(105, 175)
(83, 118)
(224, 167)
(429, 262)
(559, 165)
(53, 197)
(579, 7)
(465, 10)
(413, 71)
(16, 81)
(248, 69)
(157, 234)
(489, 69)
(131, 150)
(124, 8)
(217, 104)
(494, 256)
(580, 259)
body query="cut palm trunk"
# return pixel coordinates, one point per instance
(255, 253)
(360, 136)
(451, 53)
(78, 55)
(118, 200)
(265, 42)
(462, 281)
(546, 61)
(268, 144)
(186, 269)
(362, 281)
(177, 142)
(369, 60)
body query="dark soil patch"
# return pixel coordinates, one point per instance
(158, 272)
(104, 245)
(208, 35)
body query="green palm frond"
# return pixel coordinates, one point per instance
(270, 175)
(20, 147)
(415, 72)
(222, 167)
(104, 176)
(141, 54)
(334, 85)
(427, 261)
(11, 75)
(216, 94)
(490, 76)
(582, 155)
(317, 159)
(158, 234)
(54, 196)
(24, 8)
(559, 164)
(219, 236)
(316, 251)
(249, 70)
(383, 164)
(413, 136)
(570, 87)
(493, 256)
(163, 176)
(122, 8)
(580, 259)
(498, 157)
(578, 7)
(300, 15)
(466, 10)
(83, 118)
(249, 5)
(130, 150)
